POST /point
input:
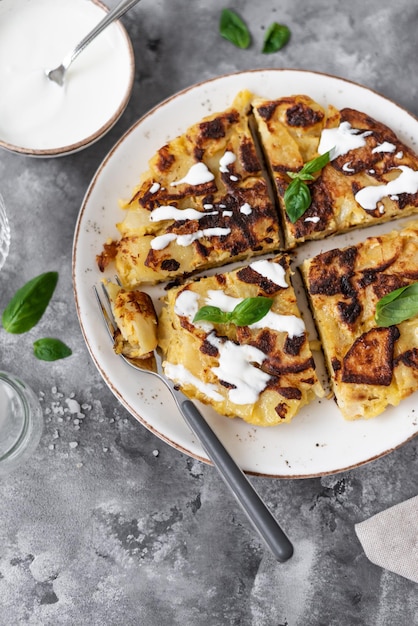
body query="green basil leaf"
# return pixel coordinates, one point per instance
(27, 306)
(212, 314)
(297, 199)
(250, 310)
(234, 29)
(49, 349)
(277, 36)
(313, 166)
(397, 306)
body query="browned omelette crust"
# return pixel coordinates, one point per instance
(291, 139)
(288, 361)
(239, 197)
(370, 367)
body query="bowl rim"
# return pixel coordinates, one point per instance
(102, 130)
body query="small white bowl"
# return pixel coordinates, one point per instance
(38, 117)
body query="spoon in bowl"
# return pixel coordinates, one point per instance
(57, 74)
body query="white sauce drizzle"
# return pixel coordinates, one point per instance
(347, 168)
(236, 368)
(227, 213)
(198, 174)
(233, 178)
(246, 209)
(162, 241)
(290, 324)
(227, 159)
(399, 154)
(315, 219)
(168, 212)
(407, 182)
(154, 187)
(386, 146)
(181, 375)
(208, 206)
(272, 271)
(186, 304)
(341, 140)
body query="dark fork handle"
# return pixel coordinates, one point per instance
(248, 498)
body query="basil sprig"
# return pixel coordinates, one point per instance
(234, 29)
(247, 312)
(27, 306)
(50, 349)
(297, 197)
(277, 36)
(397, 306)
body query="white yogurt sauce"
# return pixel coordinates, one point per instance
(169, 212)
(162, 241)
(290, 324)
(236, 368)
(272, 271)
(386, 146)
(407, 182)
(182, 375)
(341, 140)
(36, 113)
(246, 209)
(227, 159)
(198, 174)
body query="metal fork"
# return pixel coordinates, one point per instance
(250, 501)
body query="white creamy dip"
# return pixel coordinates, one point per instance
(37, 114)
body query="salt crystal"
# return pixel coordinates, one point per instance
(73, 405)
(155, 452)
(73, 444)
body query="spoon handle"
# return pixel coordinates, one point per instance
(117, 12)
(255, 509)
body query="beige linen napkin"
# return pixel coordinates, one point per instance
(390, 538)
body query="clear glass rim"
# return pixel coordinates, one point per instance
(32, 426)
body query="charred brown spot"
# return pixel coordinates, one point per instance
(303, 115)
(276, 367)
(266, 111)
(408, 358)
(349, 311)
(330, 271)
(251, 277)
(293, 345)
(224, 383)
(335, 364)
(220, 279)
(248, 156)
(281, 410)
(290, 393)
(209, 349)
(215, 129)
(369, 361)
(165, 159)
(170, 265)
(108, 254)
(265, 341)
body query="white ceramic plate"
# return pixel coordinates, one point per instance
(318, 441)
